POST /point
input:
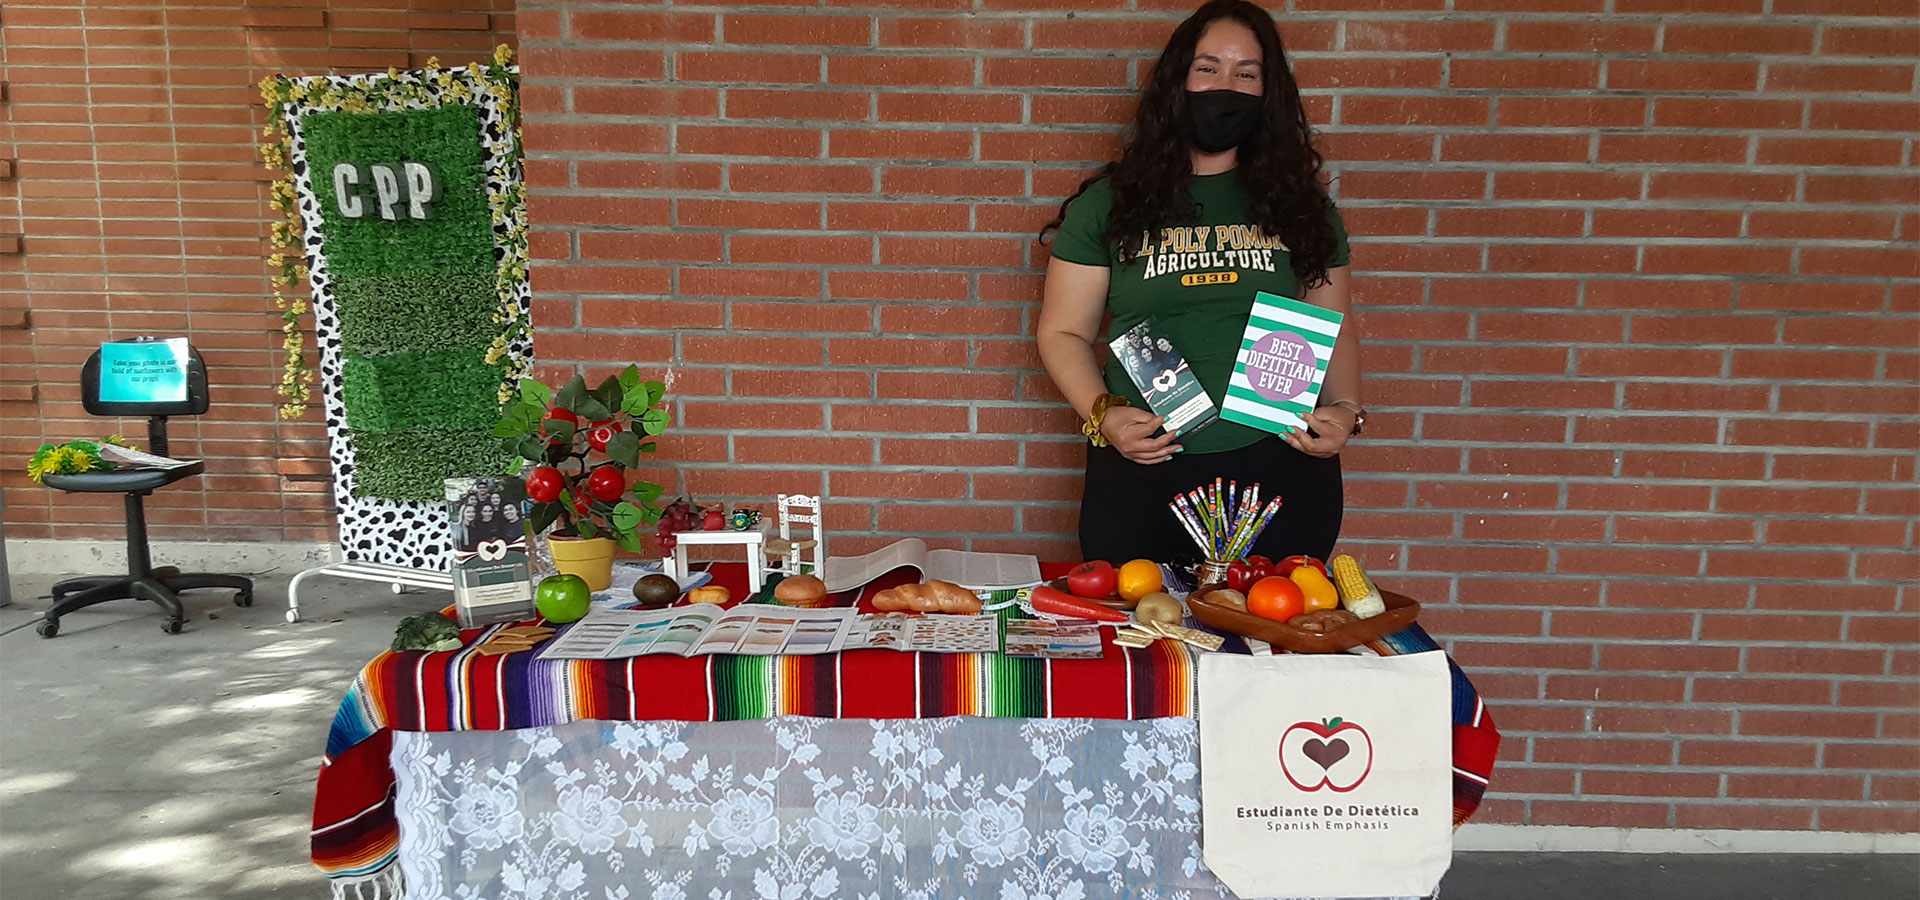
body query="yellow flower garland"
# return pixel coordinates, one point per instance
(366, 94)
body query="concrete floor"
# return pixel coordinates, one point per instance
(137, 765)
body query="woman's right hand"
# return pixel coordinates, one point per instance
(1130, 431)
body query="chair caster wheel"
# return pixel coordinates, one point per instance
(293, 616)
(48, 627)
(171, 626)
(244, 598)
(166, 572)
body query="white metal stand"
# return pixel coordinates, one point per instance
(400, 577)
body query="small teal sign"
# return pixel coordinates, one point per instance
(144, 371)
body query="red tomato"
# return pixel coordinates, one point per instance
(1094, 578)
(560, 414)
(607, 483)
(544, 484)
(601, 433)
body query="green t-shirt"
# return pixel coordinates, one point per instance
(1196, 281)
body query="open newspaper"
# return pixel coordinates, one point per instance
(968, 569)
(765, 630)
(139, 459)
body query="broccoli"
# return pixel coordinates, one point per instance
(428, 631)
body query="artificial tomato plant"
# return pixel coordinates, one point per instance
(579, 475)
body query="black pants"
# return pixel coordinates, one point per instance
(1124, 515)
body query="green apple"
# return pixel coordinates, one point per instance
(562, 598)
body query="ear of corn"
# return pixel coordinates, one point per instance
(1357, 592)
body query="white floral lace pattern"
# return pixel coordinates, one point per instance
(796, 808)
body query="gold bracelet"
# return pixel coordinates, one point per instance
(1098, 414)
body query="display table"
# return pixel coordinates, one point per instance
(672, 778)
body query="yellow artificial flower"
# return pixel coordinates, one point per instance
(502, 54)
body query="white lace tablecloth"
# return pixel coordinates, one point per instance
(791, 808)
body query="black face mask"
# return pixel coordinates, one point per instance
(1222, 120)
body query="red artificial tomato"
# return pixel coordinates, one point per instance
(562, 415)
(607, 483)
(1286, 566)
(1276, 598)
(1094, 579)
(544, 484)
(601, 433)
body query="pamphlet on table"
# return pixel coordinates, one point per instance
(492, 575)
(751, 630)
(971, 570)
(925, 633)
(1282, 362)
(1053, 638)
(759, 629)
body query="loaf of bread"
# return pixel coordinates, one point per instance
(934, 597)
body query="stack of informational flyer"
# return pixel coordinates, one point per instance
(758, 629)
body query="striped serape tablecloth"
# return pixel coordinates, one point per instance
(356, 837)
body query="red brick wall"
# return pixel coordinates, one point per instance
(1637, 286)
(137, 189)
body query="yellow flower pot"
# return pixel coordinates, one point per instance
(589, 558)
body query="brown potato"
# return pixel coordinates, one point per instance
(1158, 607)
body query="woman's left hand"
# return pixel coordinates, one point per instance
(1334, 424)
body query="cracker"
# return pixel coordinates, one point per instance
(492, 649)
(1125, 640)
(1192, 636)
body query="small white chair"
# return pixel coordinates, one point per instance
(789, 555)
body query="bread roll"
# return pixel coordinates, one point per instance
(804, 591)
(933, 597)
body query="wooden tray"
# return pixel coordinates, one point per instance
(1110, 601)
(1401, 612)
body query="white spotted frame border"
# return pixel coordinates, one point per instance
(373, 529)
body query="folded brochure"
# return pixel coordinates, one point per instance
(1281, 365)
(1165, 380)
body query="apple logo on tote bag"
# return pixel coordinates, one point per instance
(1334, 754)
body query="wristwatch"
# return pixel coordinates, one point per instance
(1359, 415)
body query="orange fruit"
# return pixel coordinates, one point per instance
(1276, 598)
(1139, 578)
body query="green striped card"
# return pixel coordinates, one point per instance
(1282, 361)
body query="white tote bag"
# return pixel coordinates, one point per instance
(1326, 775)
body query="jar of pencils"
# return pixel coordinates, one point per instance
(1212, 571)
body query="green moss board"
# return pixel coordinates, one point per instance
(383, 314)
(414, 465)
(438, 389)
(459, 234)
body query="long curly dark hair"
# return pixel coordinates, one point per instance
(1278, 167)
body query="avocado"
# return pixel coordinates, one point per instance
(656, 590)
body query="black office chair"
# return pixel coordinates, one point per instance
(142, 581)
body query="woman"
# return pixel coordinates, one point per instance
(1220, 140)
